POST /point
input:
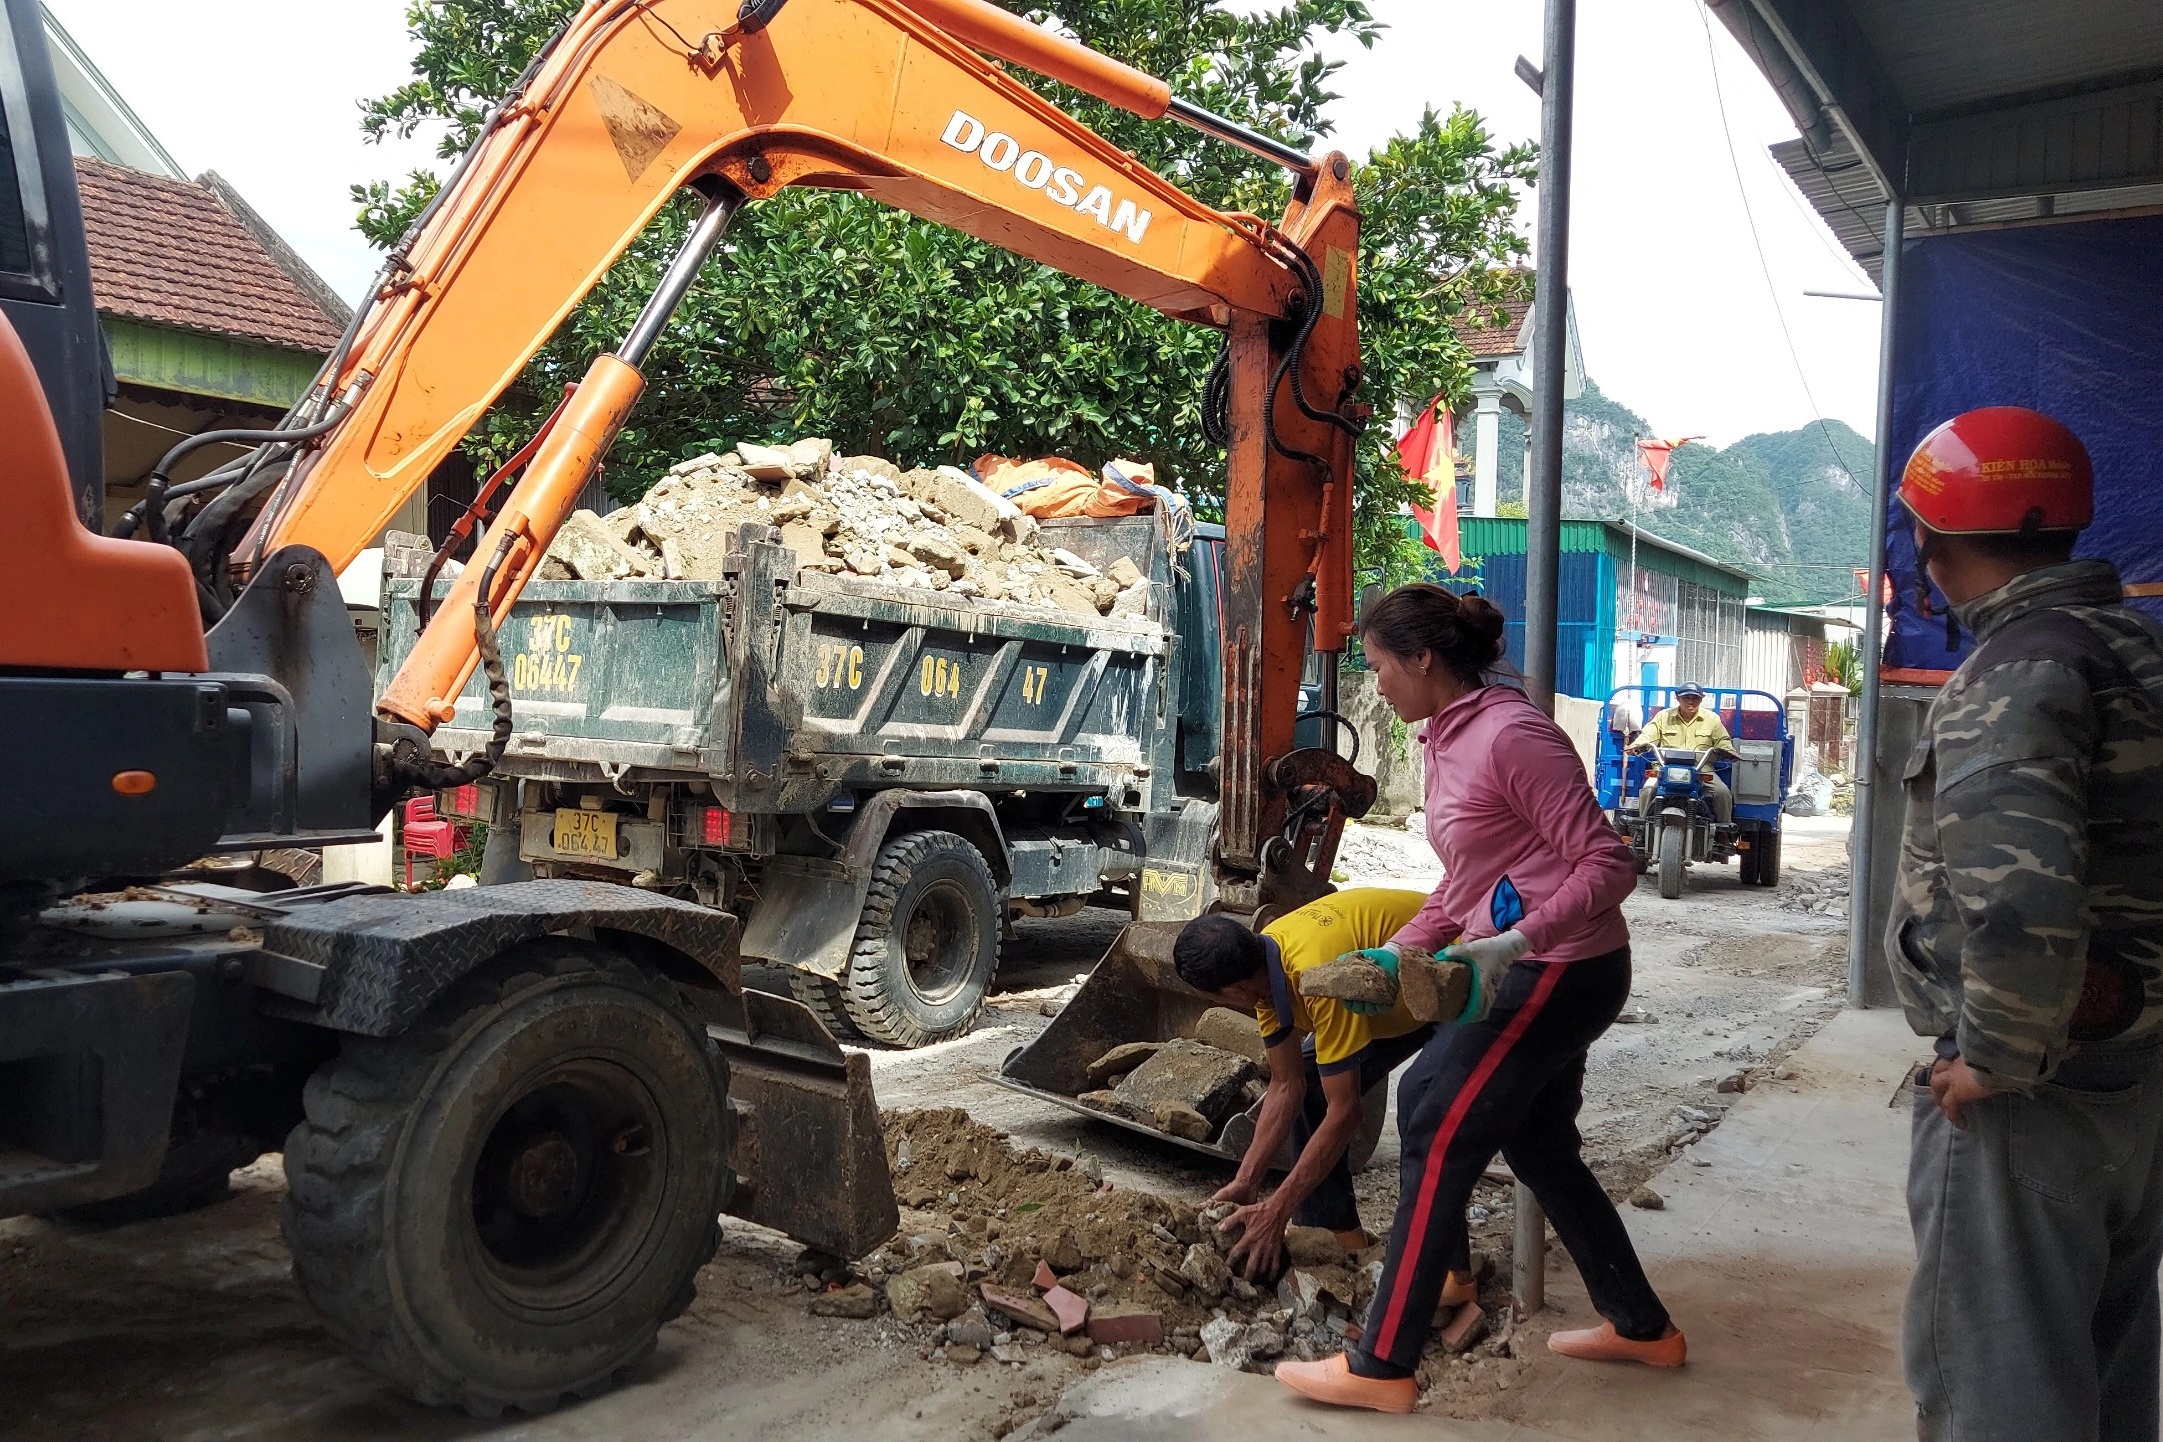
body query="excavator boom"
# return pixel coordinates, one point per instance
(636, 100)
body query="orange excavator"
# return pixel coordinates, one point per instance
(509, 1114)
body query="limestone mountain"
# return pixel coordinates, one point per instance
(1790, 507)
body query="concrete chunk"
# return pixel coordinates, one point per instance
(585, 545)
(1232, 1031)
(1123, 572)
(1206, 1078)
(933, 1290)
(1122, 1059)
(1180, 1120)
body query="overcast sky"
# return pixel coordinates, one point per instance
(1675, 314)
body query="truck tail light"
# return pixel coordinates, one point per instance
(463, 802)
(715, 826)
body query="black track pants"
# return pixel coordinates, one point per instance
(1512, 1083)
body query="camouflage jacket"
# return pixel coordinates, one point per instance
(2030, 904)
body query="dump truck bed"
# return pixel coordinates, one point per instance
(787, 688)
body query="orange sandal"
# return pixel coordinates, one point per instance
(1604, 1344)
(1332, 1380)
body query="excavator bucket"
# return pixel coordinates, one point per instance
(809, 1153)
(1135, 995)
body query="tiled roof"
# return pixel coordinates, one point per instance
(1485, 340)
(170, 252)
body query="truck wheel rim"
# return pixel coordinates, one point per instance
(568, 1182)
(939, 943)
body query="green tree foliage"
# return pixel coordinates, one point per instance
(830, 314)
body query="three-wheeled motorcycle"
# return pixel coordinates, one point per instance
(1678, 827)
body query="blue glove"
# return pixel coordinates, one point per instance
(1386, 958)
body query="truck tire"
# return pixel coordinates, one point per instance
(1671, 862)
(927, 943)
(1768, 859)
(821, 996)
(501, 1207)
(1752, 857)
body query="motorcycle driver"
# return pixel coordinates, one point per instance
(1688, 726)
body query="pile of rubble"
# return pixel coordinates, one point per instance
(1003, 1253)
(1822, 894)
(861, 516)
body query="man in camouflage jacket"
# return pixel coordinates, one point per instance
(2027, 938)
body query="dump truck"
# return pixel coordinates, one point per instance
(875, 779)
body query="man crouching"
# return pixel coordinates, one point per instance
(1323, 1054)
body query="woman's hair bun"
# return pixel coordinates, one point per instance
(1463, 633)
(1482, 617)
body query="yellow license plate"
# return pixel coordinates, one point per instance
(586, 833)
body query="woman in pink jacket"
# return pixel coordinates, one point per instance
(1531, 898)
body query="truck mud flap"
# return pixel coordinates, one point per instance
(88, 1067)
(810, 1155)
(1135, 995)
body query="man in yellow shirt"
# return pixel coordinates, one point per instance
(1322, 1056)
(1688, 726)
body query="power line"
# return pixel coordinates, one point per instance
(1712, 58)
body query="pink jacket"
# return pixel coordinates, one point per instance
(1520, 834)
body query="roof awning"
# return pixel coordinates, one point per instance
(1975, 112)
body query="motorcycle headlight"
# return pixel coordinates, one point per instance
(1677, 775)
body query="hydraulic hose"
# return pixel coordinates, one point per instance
(439, 775)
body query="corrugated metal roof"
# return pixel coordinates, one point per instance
(1842, 191)
(1941, 54)
(1987, 112)
(1505, 535)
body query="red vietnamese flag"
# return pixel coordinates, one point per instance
(1658, 453)
(1428, 452)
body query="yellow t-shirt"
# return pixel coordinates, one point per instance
(1319, 932)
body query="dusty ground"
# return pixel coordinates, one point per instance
(189, 1328)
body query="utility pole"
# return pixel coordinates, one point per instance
(1543, 487)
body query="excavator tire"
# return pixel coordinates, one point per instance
(822, 997)
(500, 1208)
(928, 941)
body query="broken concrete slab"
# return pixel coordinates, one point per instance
(1232, 1031)
(1120, 1060)
(1177, 1119)
(1206, 1078)
(1433, 990)
(1351, 977)
(591, 552)
(1123, 572)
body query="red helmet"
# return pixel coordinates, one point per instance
(2000, 470)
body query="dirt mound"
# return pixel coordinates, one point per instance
(996, 1212)
(861, 516)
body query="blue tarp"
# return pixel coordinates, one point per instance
(2067, 319)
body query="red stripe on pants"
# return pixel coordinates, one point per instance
(1438, 1150)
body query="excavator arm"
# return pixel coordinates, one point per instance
(904, 101)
